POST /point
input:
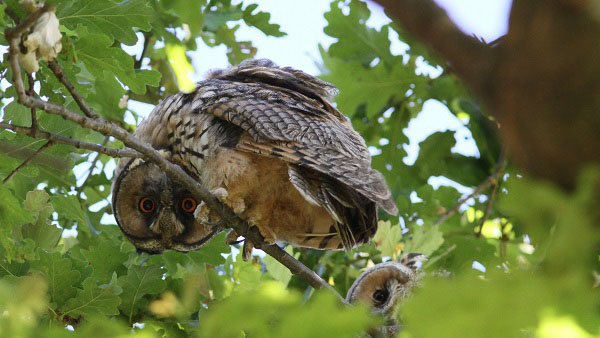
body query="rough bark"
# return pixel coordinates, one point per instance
(541, 83)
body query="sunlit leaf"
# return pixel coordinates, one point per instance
(94, 300)
(181, 65)
(388, 238)
(117, 20)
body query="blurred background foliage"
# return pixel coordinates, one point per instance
(521, 259)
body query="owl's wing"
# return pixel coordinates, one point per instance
(286, 115)
(300, 131)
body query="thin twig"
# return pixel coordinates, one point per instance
(26, 162)
(37, 133)
(80, 188)
(60, 75)
(173, 171)
(488, 207)
(16, 31)
(138, 62)
(31, 92)
(9, 11)
(491, 180)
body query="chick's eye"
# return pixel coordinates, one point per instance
(380, 295)
(188, 204)
(147, 205)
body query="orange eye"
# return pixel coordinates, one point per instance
(147, 205)
(188, 204)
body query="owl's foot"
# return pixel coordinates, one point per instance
(220, 193)
(232, 238)
(203, 214)
(236, 204)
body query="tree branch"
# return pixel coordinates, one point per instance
(60, 75)
(36, 133)
(428, 22)
(9, 11)
(173, 171)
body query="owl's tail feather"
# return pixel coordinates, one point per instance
(355, 216)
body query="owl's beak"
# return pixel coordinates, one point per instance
(167, 225)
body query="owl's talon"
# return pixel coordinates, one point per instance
(221, 194)
(236, 204)
(247, 250)
(232, 238)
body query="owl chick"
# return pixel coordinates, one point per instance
(269, 143)
(383, 286)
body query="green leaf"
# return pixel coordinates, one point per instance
(213, 20)
(13, 269)
(424, 240)
(2, 21)
(355, 41)
(11, 212)
(44, 235)
(277, 270)
(139, 282)
(326, 319)
(115, 19)
(373, 87)
(68, 207)
(23, 301)
(105, 259)
(102, 60)
(188, 12)
(211, 252)
(181, 65)
(260, 20)
(148, 77)
(42, 232)
(237, 51)
(37, 200)
(94, 300)
(464, 250)
(387, 238)
(436, 159)
(246, 274)
(177, 264)
(271, 311)
(17, 114)
(59, 274)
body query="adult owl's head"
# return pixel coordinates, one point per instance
(153, 212)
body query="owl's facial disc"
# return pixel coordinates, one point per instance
(380, 286)
(155, 213)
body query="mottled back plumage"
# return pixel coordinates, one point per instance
(257, 130)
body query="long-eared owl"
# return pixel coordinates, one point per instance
(270, 144)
